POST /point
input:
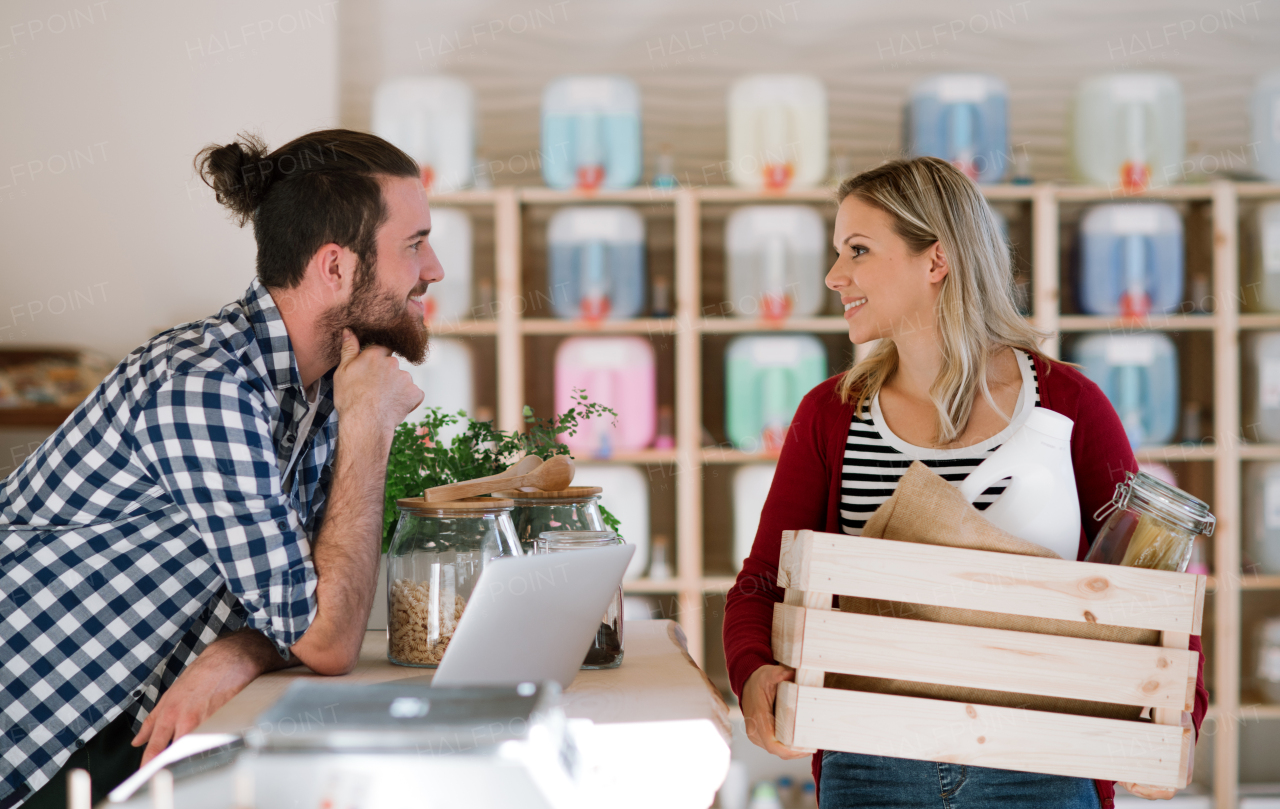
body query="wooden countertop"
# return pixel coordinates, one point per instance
(661, 731)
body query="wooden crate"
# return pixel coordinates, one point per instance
(814, 638)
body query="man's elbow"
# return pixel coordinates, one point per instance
(329, 660)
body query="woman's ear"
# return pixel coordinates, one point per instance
(939, 267)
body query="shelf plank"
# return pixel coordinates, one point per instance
(470, 196)
(1256, 190)
(1259, 582)
(572, 196)
(1259, 452)
(734, 194)
(640, 456)
(718, 584)
(651, 586)
(643, 325)
(719, 455)
(462, 328)
(1073, 323)
(1259, 321)
(744, 325)
(1089, 193)
(40, 416)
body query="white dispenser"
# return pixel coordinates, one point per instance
(450, 299)
(777, 131)
(1266, 124)
(1129, 130)
(1040, 503)
(433, 119)
(776, 258)
(626, 495)
(751, 484)
(447, 381)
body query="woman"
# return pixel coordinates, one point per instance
(923, 269)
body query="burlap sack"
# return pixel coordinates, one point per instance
(927, 509)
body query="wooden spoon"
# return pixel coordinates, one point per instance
(552, 475)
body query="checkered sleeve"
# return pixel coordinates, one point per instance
(207, 438)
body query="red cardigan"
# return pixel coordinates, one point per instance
(806, 494)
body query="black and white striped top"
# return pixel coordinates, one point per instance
(875, 459)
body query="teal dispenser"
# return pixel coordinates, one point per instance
(766, 376)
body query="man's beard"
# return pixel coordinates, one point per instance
(377, 317)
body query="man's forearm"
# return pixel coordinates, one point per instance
(346, 550)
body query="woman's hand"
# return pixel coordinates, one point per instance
(758, 696)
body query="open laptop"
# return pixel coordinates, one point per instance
(533, 618)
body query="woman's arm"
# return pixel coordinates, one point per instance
(797, 500)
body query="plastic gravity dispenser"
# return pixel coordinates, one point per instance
(618, 372)
(961, 118)
(1040, 503)
(591, 132)
(777, 131)
(765, 378)
(596, 268)
(775, 256)
(1139, 374)
(1131, 259)
(431, 118)
(1126, 126)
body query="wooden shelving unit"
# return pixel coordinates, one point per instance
(1222, 450)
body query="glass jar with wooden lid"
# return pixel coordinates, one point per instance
(436, 555)
(576, 508)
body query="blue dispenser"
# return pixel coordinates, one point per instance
(961, 118)
(591, 133)
(596, 262)
(1139, 374)
(1131, 259)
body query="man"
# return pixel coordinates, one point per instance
(197, 521)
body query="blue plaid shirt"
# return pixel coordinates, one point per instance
(153, 520)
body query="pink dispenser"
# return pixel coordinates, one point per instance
(618, 372)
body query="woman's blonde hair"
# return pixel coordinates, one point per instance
(930, 201)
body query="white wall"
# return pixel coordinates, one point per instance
(106, 236)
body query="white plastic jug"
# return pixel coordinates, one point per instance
(1262, 517)
(776, 258)
(1040, 503)
(777, 131)
(751, 484)
(433, 119)
(447, 381)
(1262, 270)
(626, 495)
(1262, 397)
(1266, 124)
(450, 238)
(1129, 130)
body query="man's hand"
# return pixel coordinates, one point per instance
(758, 697)
(1165, 793)
(221, 671)
(369, 386)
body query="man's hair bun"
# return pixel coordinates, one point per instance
(239, 174)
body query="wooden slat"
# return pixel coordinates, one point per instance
(688, 400)
(817, 604)
(983, 736)
(785, 562)
(1044, 264)
(979, 657)
(1169, 715)
(510, 345)
(994, 582)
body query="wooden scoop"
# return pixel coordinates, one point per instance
(549, 476)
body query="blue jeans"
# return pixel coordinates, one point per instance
(879, 782)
